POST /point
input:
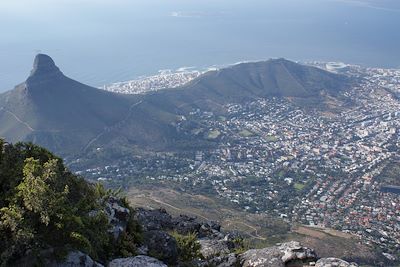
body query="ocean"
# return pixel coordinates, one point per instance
(102, 41)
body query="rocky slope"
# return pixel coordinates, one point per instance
(221, 249)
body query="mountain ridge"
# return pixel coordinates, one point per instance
(69, 117)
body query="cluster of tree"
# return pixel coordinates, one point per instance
(44, 206)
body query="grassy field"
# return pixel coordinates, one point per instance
(246, 133)
(214, 134)
(221, 118)
(299, 186)
(271, 138)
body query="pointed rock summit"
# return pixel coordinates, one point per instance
(44, 68)
(56, 111)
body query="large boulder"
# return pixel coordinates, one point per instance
(210, 230)
(154, 219)
(291, 253)
(211, 248)
(228, 260)
(161, 246)
(184, 224)
(75, 259)
(118, 216)
(334, 262)
(138, 261)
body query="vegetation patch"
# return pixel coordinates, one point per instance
(221, 118)
(246, 133)
(214, 134)
(189, 246)
(46, 207)
(271, 138)
(299, 186)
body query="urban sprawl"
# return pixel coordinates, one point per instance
(317, 168)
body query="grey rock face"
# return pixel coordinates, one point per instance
(160, 220)
(278, 256)
(213, 248)
(161, 245)
(334, 262)
(185, 224)
(118, 216)
(210, 230)
(43, 68)
(228, 260)
(138, 261)
(76, 259)
(153, 219)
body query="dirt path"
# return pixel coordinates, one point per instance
(109, 129)
(18, 119)
(256, 236)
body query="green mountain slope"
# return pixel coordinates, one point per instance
(247, 81)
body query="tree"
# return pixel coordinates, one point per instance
(43, 205)
(189, 246)
(38, 190)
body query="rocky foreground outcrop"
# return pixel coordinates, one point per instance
(217, 248)
(138, 261)
(291, 253)
(160, 249)
(333, 262)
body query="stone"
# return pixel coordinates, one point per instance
(334, 262)
(278, 256)
(118, 216)
(76, 259)
(211, 248)
(211, 230)
(223, 261)
(161, 246)
(154, 219)
(138, 261)
(185, 224)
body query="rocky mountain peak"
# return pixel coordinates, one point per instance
(43, 68)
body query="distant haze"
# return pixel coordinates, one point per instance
(104, 41)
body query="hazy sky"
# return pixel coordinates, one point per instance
(102, 41)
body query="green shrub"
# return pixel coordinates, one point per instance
(241, 245)
(189, 246)
(43, 205)
(127, 243)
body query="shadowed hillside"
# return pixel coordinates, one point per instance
(70, 118)
(56, 111)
